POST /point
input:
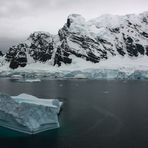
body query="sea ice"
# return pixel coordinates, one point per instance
(29, 114)
(29, 80)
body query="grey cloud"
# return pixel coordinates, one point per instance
(5, 43)
(21, 8)
(15, 8)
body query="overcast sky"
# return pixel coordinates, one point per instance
(19, 18)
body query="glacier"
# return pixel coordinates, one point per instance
(91, 74)
(29, 114)
(114, 68)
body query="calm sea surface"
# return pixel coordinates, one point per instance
(96, 114)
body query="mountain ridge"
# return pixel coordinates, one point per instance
(94, 40)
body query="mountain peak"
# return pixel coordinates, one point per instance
(75, 19)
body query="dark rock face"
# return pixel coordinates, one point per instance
(133, 49)
(22, 59)
(62, 54)
(14, 64)
(1, 54)
(76, 39)
(41, 48)
(17, 56)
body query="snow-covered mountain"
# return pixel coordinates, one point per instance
(95, 40)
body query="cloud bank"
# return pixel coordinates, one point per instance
(19, 18)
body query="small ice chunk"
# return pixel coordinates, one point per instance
(29, 80)
(17, 77)
(32, 80)
(80, 76)
(61, 85)
(106, 92)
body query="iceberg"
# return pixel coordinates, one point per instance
(80, 76)
(29, 80)
(29, 114)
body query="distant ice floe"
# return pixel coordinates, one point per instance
(21, 78)
(29, 114)
(29, 80)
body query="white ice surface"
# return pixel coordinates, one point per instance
(26, 98)
(29, 114)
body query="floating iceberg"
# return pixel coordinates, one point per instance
(29, 114)
(32, 80)
(80, 76)
(29, 80)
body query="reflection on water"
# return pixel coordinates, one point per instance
(106, 114)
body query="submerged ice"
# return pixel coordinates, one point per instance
(29, 114)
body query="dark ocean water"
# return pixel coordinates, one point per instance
(96, 114)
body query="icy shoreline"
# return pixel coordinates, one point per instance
(115, 68)
(37, 76)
